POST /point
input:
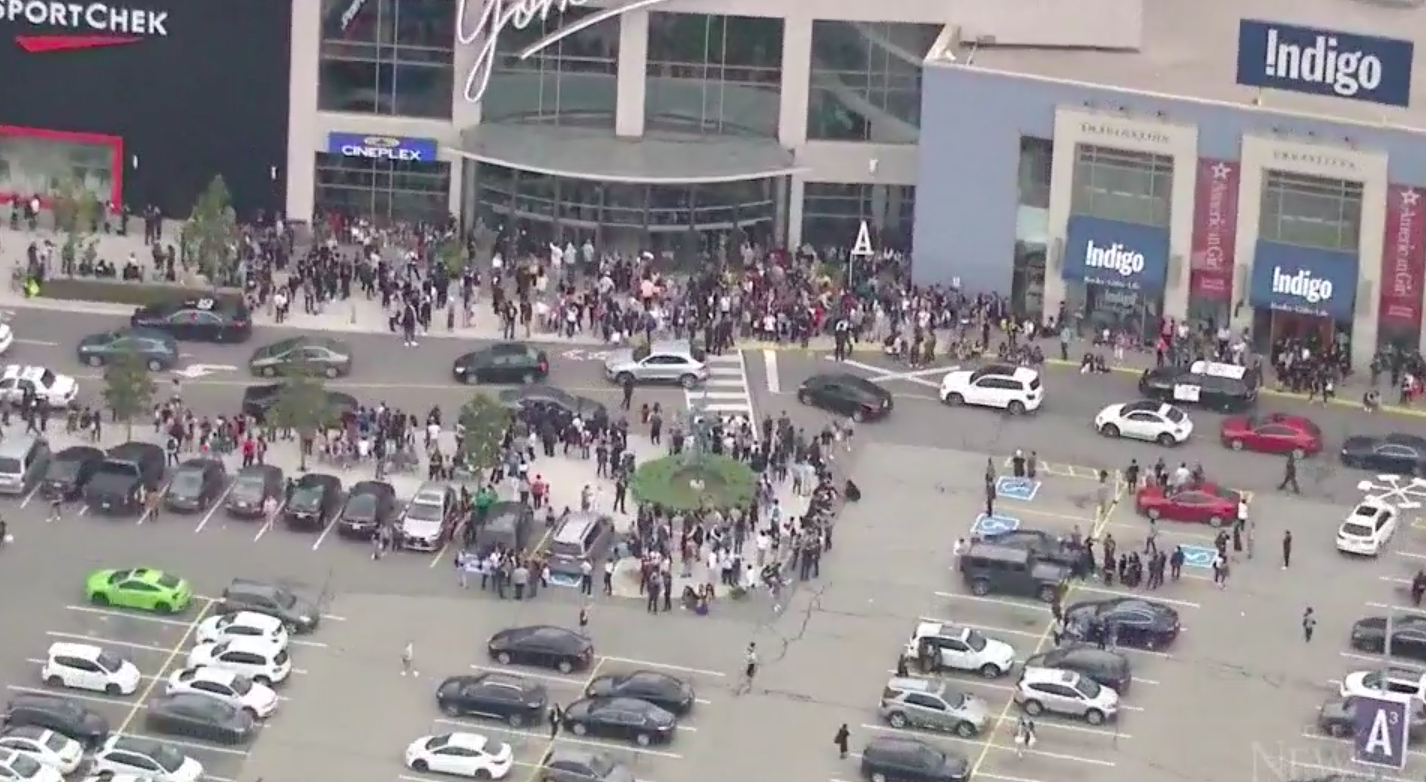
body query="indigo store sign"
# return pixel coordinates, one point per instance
(1324, 62)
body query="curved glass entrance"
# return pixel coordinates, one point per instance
(530, 211)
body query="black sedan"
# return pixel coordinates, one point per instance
(69, 471)
(369, 506)
(664, 691)
(906, 759)
(846, 394)
(1337, 716)
(1408, 636)
(1134, 622)
(1400, 454)
(514, 700)
(199, 717)
(328, 357)
(1045, 545)
(315, 499)
(505, 362)
(259, 400)
(215, 319)
(196, 484)
(252, 488)
(627, 719)
(157, 350)
(1110, 669)
(539, 403)
(545, 646)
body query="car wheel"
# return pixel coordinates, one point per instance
(54, 681)
(1153, 513)
(99, 599)
(564, 666)
(1109, 430)
(1215, 522)
(450, 710)
(162, 607)
(263, 679)
(965, 730)
(331, 373)
(1016, 408)
(421, 765)
(1033, 708)
(503, 658)
(623, 378)
(954, 400)
(1165, 439)
(804, 397)
(268, 372)
(1094, 717)
(643, 740)
(980, 587)
(515, 721)
(859, 416)
(989, 671)
(688, 381)
(95, 361)
(527, 379)
(112, 689)
(1338, 730)
(896, 720)
(1236, 445)
(579, 729)
(252, 713)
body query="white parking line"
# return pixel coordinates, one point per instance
(68, 693)
(1408, 610)
(543, 736)
(1377, 660)
(144, 517)
(544, 677)
(1138, 595)
(333, 618)
(268, 522)
(127, 615)
(99, 641)
(1054, 725)
(218, 503)
(1308, 734)
(188, 744)
(1137, 680)
(29, 496)
(1410, 555)
(327, 530)
(665, 666)
(1338, 770)
(988, 745)
(1037, 607)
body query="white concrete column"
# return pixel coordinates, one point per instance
(1262, 154)
(796, 189)
(1074, 128)
(633, 64)
(465, 113)
(303, 134)
(796, 81)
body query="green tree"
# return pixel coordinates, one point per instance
(76, 211)
(210, 235)
(451, 254)
(483, 421)
(302, 405)
(129, 389)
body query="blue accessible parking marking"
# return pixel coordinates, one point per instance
(987, 526)
(1199, 556)
(1012, 488)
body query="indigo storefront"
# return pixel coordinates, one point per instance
(145, 102)
(1115, 274)
(1302, 293)
(386, 177)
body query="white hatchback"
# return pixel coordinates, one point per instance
(1367, 529)
(18, 766)
(147, 757)
(254, 658)
(230, 687)
(55, 750)
(242, 624)
(1145, 420)
(89, 667)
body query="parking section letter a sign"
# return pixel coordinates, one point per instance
(1381, 727)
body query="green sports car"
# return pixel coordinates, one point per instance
(145, 589)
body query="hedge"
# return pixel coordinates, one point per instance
(118, 292)
(727, 483)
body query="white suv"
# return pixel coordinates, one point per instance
(242, 624)
(88, 667)
(1065, 692)
(1013, 389)
(960, 649)
(254, 658)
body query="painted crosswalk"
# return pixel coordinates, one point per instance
(725, 393)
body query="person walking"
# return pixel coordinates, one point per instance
(1289, 476)
(1024, 736)
(750, 669)
(1309, 624)
(408, 661)
(842, 738)
(556, 717)
(1286, 549)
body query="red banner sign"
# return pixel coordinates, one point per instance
(1403, 258)
(1215, 230)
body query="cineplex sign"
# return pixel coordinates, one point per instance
(483, 22)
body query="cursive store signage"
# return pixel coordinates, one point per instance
(481, 23)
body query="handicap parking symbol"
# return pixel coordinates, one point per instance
(1199, 556)
(988, 526)
(1011, 488)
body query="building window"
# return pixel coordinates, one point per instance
(713, 75)
(1117, 184)
(573, 82)
(866, 80)
(1311, 212)
(1036, 158)
(392, 57)
(383, 190)
(832, 214)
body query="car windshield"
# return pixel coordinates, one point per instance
(109, 662)
(1175, 415)
(1356, 530)
(975, 641)
(168, 582)
(57, 741)
(248, 488)
(361, 506)
(437, 742)
(284, 599)
(306, 496)
(242, 685)
(62, 470)
(280, 348)
(187, 482)
(1088, 687)
(422, 511)
(600, 766)
(167, 757)
(24, 765)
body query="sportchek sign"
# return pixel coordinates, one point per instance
(1303, 280)
(85, 25)
(1115, 254)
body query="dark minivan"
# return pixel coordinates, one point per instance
(62, 715)
(845, 394)
(897, 759)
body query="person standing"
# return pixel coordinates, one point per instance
(408, 660)
(1287, 549)
(556, 717)
(1309, 624)
(842, 738)
(750, 669)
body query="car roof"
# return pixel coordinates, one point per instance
(75, 649)
(200, 463)
(913, 684)
(1022, 374)
(78, 452)
(133, 450)
(249, 643)
(1050, 675)
(928, 629)
(24, 371)
(254, 586)
(381, 488)
(1218, 369)
(251, 617)
(265, 470)
(320, 479)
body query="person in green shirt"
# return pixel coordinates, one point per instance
(483, 500)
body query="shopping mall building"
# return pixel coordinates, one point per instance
(1116, 160)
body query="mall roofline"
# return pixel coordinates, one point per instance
(1187, 52)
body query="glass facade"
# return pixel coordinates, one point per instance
(1032, 222)
(534, 210)
(832, 213)
(1311, 211)
(387, 57)
(866, 80)
(713, 75)
(383, 190)
(572, 82)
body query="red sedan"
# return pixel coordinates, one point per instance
(1275, 433)
(1203, 503)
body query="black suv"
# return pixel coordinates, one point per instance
(990, 568)
(244, 594)
(61, 715)
(1209, 384)
(128, 473)
(69, 472)
(907, 759)
(514, 700)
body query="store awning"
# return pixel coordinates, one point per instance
(599, 155)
